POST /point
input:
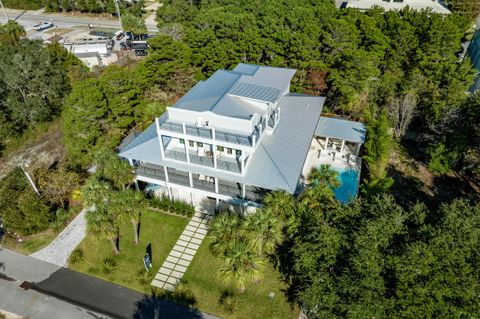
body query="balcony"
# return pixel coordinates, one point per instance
(220, 135)
(230, 189)
(178, 177)
(175, 154)
(203, 184)
(151, 170)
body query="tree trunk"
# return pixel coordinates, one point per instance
(114, 245)
(135, 231)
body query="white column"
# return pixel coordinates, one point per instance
(214, 154)
(326, 143)
(254, 141)
(244, 191)
(190, 178)
(243, 164)
(216, 185)
(166, 173)
(162, 150)
(343, 145)
(186, 150)
(213, 134)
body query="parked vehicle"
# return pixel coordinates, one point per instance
(120, 36)
(42, 26)
(140, 52)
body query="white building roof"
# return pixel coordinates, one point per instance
(342, 129)
(433, 5)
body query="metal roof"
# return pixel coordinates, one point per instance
(255, 91)
(277, 161)
(233, 106)
(342, 129)
(250, 81)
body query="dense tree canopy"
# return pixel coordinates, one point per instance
(374, 259)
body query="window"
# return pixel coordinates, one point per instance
(220, 148)
(199, 144)
(229, 151)
(190, 143)
(182, 141)
(238, 152)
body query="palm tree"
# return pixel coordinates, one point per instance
(281, 202)
(240, 264)
(222, 230)
(128, 206)
(263, 230)
(96, 192)
(111, 167)
(324, 175)
(104, 224)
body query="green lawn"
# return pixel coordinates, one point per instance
(30, 244)
(203, 285)
(206, 285)
(159, 230)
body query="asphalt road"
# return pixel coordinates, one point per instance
(29, 18)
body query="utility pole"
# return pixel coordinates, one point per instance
(29, 178)
(118, 13)
(4, 12)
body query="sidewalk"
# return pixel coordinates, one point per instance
(60, 248)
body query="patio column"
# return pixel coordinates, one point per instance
(186, 150)
(216, 185)
(326, 143)
(214, 154)
(343, 145)
(190, 179)
(166, 182)
(244, 191)
(213, 134)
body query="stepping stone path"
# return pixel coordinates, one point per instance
(182, 253)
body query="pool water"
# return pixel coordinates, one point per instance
(348, 189)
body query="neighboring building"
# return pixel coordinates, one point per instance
(91, 53)
(474, 53)
(240, 134)
(434, 5)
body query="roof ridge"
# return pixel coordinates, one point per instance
(275, 164)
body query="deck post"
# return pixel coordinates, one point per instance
(162, 150)
(190, 179)
(326, 143)
(343, 145)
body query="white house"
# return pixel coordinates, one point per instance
(237, 136)
(433, 5)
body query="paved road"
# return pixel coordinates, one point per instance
(60, 248)
(29, 18)
(16, 268)
(76, 295)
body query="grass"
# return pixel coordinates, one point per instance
(208, 287)
(30, 244)
(33, 243)
(157, 229)
(202, 288)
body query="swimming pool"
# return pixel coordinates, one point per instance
(348, 189)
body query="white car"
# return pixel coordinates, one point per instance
(42, 26)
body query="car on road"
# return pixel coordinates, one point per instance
(42, 26)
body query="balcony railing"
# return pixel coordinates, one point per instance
(220, 135)
(178, 156)
(178, 177)
(231, 166)
(202, 184)
(173, 127)
(152, 171)
(230, 189)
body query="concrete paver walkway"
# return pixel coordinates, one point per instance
(182, 253)
(61, 247)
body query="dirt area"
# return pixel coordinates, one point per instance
(42, 150)
(415, 183)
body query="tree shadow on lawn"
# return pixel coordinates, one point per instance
(166, 304)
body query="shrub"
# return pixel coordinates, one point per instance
(144, 277)
(440, 159)
(228, 300)
(76, 256)
(108, 265)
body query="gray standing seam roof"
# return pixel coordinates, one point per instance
(255, 91)
(342, 129)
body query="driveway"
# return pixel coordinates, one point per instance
(61, 247)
